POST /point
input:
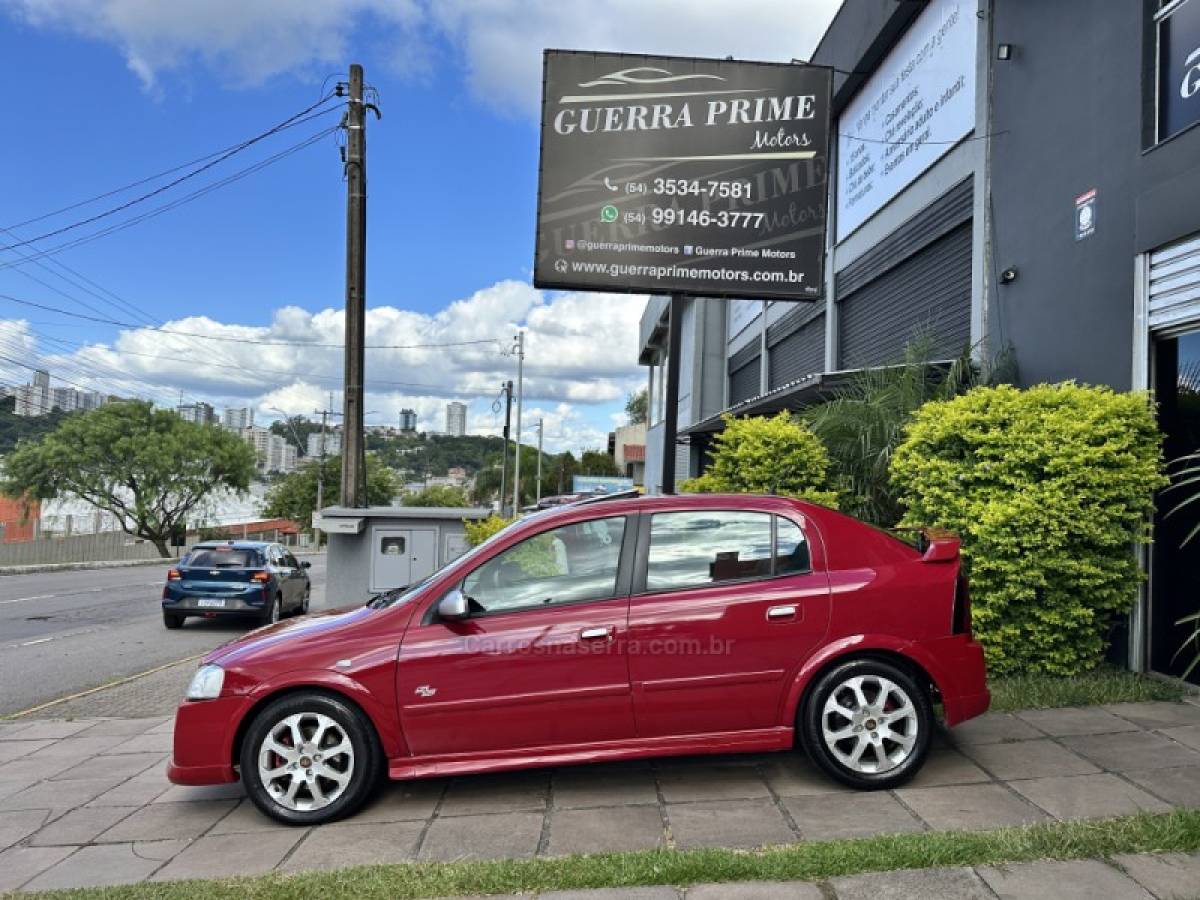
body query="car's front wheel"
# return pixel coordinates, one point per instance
(867, 723)
(309, 758)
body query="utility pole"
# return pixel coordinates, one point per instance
(324, 414)
(508, 390)
(520, 399)
(353, 458)
(671, 410)
(541, 429)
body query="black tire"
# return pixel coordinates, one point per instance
(173, 620)
(357, 728)
(303, 610)
(893, 767)
(272, 612)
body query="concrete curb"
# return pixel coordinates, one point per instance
(76, 566)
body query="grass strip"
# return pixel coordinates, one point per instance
(811, 861)
(1104, 685)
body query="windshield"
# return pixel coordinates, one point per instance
(224, 559)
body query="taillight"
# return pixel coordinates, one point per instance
(174, 575)
(261, 577)
(961, 618)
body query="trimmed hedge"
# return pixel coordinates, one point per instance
(1050, 488)
(757, 455)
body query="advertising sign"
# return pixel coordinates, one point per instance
(670, 174)
(1179, 69)
(600, 484)
(910, 113)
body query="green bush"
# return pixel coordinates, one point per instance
(1050, 489)
(757, 455)
(482, 529)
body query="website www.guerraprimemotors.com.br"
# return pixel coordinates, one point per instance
(719, 273)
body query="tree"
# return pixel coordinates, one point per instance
(437, 495)
(295, 428)
(295, 496)
(597, 462)
(757, 455)
(146, 466)
(637, 406)
(862, 425)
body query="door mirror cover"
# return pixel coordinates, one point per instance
(306, 565)
(453, 607)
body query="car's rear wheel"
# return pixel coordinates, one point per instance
(272, 611)
(867, 723)
(172, 620)
(309, 759)
(303, 610)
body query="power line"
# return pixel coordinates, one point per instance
(187, 198)
(237, 340)
(233, 151)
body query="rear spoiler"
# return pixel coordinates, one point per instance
(935, 544)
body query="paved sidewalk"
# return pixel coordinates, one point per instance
(85, 802)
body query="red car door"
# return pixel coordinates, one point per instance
(726, 605)
(540, 661)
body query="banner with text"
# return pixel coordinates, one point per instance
(670, 174)
(919, 103)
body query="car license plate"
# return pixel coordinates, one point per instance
(210, 602)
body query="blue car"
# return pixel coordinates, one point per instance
(239, 578)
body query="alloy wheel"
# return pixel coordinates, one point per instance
(869, 724)
(306, 761)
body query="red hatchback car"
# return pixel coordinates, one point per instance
(629, 628)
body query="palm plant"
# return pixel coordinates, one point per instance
(864, 423)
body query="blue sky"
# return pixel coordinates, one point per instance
(105, 92)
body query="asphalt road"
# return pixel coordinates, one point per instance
(64, 632)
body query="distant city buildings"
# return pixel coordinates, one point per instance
(408, 421)
(456, 418)
(237, 418)
(38, 398)
(332, 441)
(271, 451)
(200, 413)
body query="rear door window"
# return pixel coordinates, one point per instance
(702, 547)
(224, 559)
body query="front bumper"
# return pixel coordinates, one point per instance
(203, 745)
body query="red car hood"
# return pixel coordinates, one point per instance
(292, 632)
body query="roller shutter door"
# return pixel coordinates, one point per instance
(1175, 285)
(744, 381)
(800, 353)
(927, 294)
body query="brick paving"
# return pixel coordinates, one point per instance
(85, 802)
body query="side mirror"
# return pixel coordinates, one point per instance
(453, 607)
(305, 564)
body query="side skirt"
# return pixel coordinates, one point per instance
(756, 741)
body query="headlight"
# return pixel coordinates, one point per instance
(206, 683)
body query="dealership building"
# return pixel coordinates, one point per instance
(1017, 178)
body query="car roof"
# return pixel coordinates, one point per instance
(600, 506)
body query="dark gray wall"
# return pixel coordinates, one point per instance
(1072, 103)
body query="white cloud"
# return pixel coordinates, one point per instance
(580, 361)
(244, 41)
(500, 42)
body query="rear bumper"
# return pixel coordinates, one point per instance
(963, 680)
(203, 744)
(235, 605)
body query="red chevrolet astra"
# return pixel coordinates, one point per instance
(600, 631)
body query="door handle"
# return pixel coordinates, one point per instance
(776, 613)
(604, 632)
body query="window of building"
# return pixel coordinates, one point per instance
(693, 549)
(1177, 27)
(570, 564)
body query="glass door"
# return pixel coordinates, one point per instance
(1175, 569)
